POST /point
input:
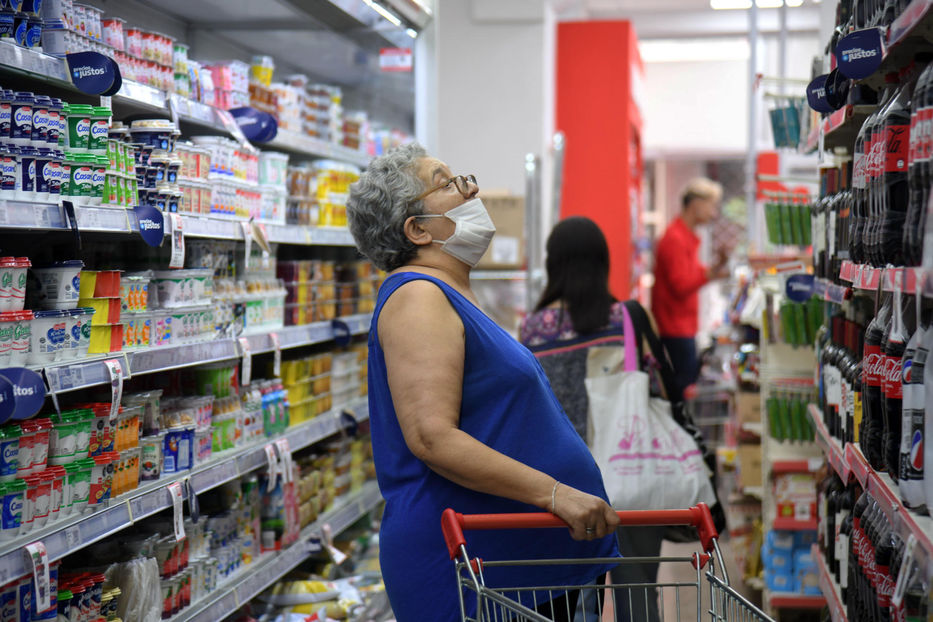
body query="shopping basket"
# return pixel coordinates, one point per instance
(535, 604)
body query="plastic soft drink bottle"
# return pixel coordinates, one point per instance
(872, 366)
(920, 108)
(895, 194)
(911, 476)
(895, 343)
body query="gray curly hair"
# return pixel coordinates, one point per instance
(379, 204)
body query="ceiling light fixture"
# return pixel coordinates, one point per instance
(384, 12)
(411, 32)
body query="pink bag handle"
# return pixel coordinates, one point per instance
(631, 350)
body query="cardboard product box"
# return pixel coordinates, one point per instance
(748, 407)
(750, 465)
(507, 250)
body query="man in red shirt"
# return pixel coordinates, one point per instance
(679, 275)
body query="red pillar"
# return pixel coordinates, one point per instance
(596, 111)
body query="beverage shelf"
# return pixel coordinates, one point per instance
(881, 487)
(869, 278)
(830, 446)
(839, 129)
(73, 533)
(141, 98)
(73, 375)
(830, 589)
(270, 567)
(779, 467)
(830, 292)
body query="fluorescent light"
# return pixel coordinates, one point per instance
(693, 50)
(721, 5)
(381, 10)
(794, 3)
(411, 32)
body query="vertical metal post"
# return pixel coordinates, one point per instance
(532, 229)
(558, 145)
(751, 156)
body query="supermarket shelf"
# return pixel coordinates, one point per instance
(145, 98)
(831, 591)
(792, 524)
(886, 493)
(63, 537)
(298, 144)
(795, 466)
(92, 372)
(869, 278)
(830, 446)
(253, 579)
(785, 600)
(840, 128)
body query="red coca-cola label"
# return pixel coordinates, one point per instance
(873, 366)
(893, 388)
(885, 586)
(914, 138)
(896, 141)
(872, 164)
(923, 129)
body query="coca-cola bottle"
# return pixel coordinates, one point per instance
(895, 342)
(910, 480)
(918, 166)
(895, 194)
(872, 366)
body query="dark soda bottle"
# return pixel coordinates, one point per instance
(872, 366)
(918, 172)
(864, 176)
(894, 198)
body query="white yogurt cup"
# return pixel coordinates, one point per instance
(59, 284)
(47, 338)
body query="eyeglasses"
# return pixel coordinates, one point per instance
(462, 182)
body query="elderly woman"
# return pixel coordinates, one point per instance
(462, 415)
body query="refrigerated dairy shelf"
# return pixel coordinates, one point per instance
(830, 589)
(70, 534)
(145, 98)
(270, 567)
(881, 487)
(51, 216)
(70, 376)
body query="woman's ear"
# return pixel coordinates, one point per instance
(416, 233)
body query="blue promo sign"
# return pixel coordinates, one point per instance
(859, 54)
(7, 399)
(28, 391)
(799, 287)
(151, 224)
(257, 126)
(816, 94)
(94, 73)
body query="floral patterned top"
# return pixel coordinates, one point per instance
(555, 325)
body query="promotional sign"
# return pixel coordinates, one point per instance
(816, 94)
(7, 401)
(395, 59)
(799, 287)
(837, 89)
(151, 224)
(28, 391)
(94, 73)
(859, 54)
(257, 126)
(341, 332)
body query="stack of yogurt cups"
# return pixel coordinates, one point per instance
(15, 322)
(61, 330)
(31, 129)
(157, 166)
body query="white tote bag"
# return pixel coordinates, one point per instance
(648, 462)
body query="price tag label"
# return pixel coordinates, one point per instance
(246, 366)
(272, 464)
(173, 109)
(72, 536)
(178, 242)
(907, 572)
(277, 354)
(285, 457)
(43, 216)
(37, 558)
(194, 506)
(115, 371)
(178, 517)
(106, 101)
(262, 237)
(248, 243)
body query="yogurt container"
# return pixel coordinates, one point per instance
(40, 120)
(178, 449)
(27, 441)
(9, 161)
(26, 175)
(80, 331)
(44, 173)
(59, 284)
(79, 127)
(33, 37)
(21, 119)
(15, 333)
(157, 133)
(38, 499)
(47, 337)
(56, 477)
(55, 116)
(99, 130)
(13, 283)
(63, 439)
(83, 170)
(102, 477)
(6, 113)
(53, 37)
(79, 477)
(9, 452)
(7, 22)
(11, 513)
(150, 467)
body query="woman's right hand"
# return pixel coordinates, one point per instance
(588, 516)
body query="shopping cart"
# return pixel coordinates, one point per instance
(512, 604)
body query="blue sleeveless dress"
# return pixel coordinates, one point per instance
(508, 405)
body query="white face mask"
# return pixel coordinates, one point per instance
(474, 231)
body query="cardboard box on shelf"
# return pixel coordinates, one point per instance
(507, 250)
(748, 407)
(750, 465)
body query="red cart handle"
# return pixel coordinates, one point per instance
(454, 524)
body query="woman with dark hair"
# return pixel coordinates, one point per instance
(576, 313)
